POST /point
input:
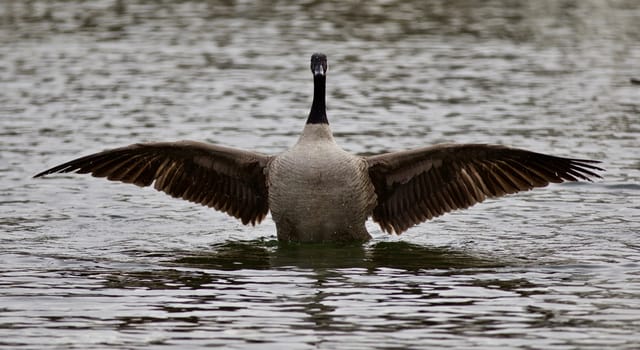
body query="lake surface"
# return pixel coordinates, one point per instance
(89, 264)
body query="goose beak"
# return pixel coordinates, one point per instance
(317, 69)
(318, 64)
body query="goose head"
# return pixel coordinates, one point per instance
(318, 113)
(318, 64)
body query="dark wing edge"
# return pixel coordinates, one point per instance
(226, 179)
(417, 185)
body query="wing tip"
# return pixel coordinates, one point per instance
(586, 170)
(40, 174)
(54, 170)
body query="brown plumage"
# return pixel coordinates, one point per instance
(418, 185)
(226, 179)
(318, 192)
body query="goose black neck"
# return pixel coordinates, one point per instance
(318, 114)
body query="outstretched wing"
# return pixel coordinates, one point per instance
(226, 179)
(416, 185)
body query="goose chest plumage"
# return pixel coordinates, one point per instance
(318, 192)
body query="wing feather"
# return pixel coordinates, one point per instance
(418, 185)
(226, 179)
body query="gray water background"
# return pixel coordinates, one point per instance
(89, 264)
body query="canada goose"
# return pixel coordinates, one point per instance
(316, 191)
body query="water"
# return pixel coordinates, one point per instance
(85, 263)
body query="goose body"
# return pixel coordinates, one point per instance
(316, 191)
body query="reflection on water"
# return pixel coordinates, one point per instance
(89, 264)
(272, 254)
(216, 298)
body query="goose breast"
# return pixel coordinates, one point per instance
(319, 192)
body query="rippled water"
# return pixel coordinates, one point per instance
(89, 264)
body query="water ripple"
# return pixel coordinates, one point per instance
(89, 264)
